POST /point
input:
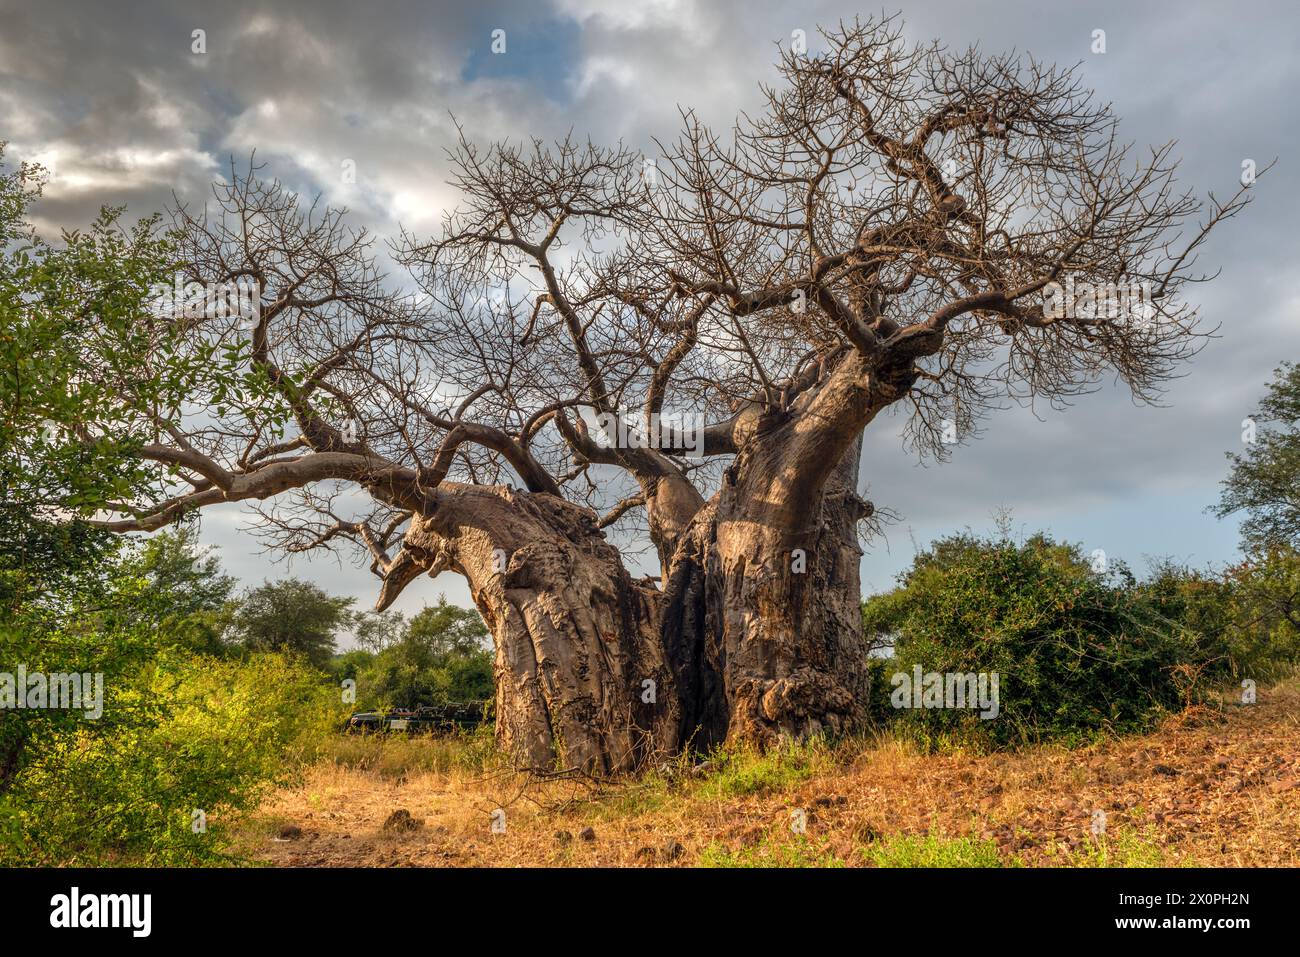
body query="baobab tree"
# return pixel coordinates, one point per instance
(889, 230)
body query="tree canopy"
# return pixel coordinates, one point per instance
(894, 215)
(1264, 482)
(291, 615)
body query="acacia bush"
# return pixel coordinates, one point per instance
(1264, 639)
(1243, 622)
(195, 734)
(1078, 652)
(180, 731)
(1203, 603)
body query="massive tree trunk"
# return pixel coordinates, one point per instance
(763, 624)
(580, 674)
(756, 636)
(762, 620)
(788, 622)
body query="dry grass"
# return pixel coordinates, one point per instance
(1209, 788)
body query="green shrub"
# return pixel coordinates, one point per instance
(180, 731)
(1201, 603)
(1077, 652)
(191, 734)
(1263, 639)
(1243, 623)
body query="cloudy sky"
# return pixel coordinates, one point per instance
(114, 101)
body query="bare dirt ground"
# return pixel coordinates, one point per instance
(1209, 788)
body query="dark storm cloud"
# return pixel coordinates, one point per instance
(111, 97)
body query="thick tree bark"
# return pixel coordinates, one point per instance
(791, 624)
(762, 621)
(580, 674)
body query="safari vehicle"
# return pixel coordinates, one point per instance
(423, 718)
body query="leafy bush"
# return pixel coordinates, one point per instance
(1202, 603)
(1078, 652)
(179, 731)
(1263, 640)
(198, 734)
(441, 656)
(1244, 623)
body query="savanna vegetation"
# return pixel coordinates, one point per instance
(888, 231)
(759, 285)
(220, 701)
(211, 694)
(205, 706)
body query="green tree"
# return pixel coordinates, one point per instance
(69, 312)
(1264, 481)
(189, 592)
(1263, 638)
(188, 573)
(291, 615)
(75, 324)
(1263, 634)
(59, 306)
(448, 630)
(444, 655)
(374, 632)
